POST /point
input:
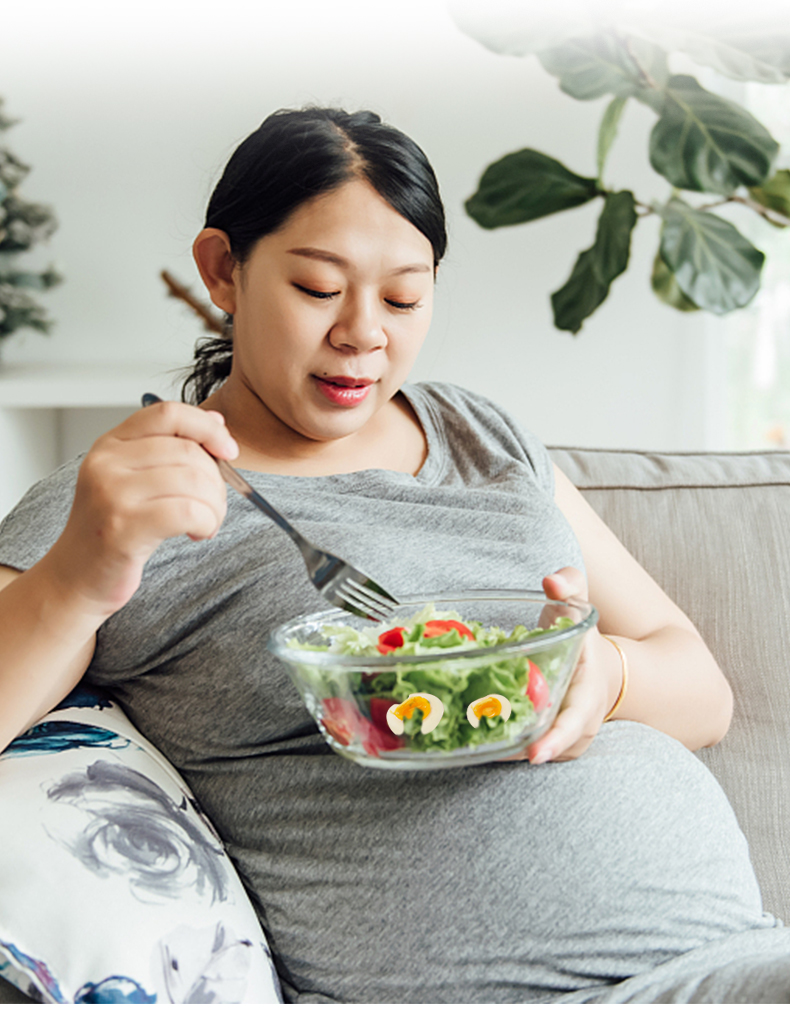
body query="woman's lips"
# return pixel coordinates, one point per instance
(344, 391)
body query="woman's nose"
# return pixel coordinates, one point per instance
(358, 327)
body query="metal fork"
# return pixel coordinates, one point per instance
(337, 580)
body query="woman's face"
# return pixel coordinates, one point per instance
(330, 312)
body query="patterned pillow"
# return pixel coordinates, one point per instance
(114, 888)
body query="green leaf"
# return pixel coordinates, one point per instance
(514, 30)
(21, 279)
(651, 59)
(666, 287)
(526, 185)
(745, 51)
(596, 268)
(19, 310)
(12, 171)
(607, 132)
(25, 224)
(775, 193)
(590, 67)
(705, 143)
(714, 265)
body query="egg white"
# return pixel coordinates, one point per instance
(504, 711)
(429, 722)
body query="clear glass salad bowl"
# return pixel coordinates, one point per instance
(451, 679)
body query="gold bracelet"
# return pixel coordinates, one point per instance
(624, 686)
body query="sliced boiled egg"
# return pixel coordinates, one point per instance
(430, 706)
(489, 705)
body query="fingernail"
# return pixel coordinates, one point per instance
(541, 757)
(231, 449)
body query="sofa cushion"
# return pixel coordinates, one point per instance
(114, 888)
(713, 529)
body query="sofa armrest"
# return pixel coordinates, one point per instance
(713, 529)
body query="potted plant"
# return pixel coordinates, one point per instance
(23, 224)
(712, 151)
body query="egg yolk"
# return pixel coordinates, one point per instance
(405, 710)
(430, 706)
(487, 707)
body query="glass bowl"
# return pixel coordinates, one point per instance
(442, 700)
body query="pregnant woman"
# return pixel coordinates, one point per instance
(605, 864)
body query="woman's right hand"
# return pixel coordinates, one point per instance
(148, 479)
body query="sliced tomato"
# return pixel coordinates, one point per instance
(433, 629)
(537, 688)
(344, 722)
(378, 736)
(391, 640)
(340, 719)
(378, 712)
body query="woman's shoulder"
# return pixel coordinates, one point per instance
(476, 423)
(454, 400)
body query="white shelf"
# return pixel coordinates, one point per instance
(82, 385)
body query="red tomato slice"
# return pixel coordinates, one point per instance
(435, 628)
(390, 640)
(537, 690)
(344, 722)
(341, 719)
(378, 736)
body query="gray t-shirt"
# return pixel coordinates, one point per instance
(500, 883)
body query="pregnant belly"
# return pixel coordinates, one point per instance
(502, 883)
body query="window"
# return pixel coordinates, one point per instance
(756, 340)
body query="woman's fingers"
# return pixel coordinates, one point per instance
(575, 727)
(152, 502)
(586, 701)
(181, 455)
(151, 478)
(565, 583)
(175, 419)
(561, 585)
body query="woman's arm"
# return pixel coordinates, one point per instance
(47, 644)
(674, 683)
(147, 480)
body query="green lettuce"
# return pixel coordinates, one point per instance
(457, 683)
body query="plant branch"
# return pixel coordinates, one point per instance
(644, 209)
(176, 289)
(769, 214)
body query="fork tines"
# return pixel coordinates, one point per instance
(370, 599)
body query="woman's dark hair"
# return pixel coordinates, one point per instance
(294, 156)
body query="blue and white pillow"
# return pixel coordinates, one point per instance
(114, 888)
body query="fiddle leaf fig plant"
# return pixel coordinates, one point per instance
(710, 150)
(22, 225)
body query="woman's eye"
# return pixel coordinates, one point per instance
(318, 294)
(403, 306)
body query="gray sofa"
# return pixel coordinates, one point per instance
(714, 531)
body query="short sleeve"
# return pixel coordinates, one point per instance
(31, 528)
(479, 430)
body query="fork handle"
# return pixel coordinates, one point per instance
(237, 481)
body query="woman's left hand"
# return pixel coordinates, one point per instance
(593, 689)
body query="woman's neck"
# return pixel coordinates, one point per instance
(393, 439)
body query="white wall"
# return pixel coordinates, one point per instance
(129, 110)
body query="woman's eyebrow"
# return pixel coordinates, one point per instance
(334, 259)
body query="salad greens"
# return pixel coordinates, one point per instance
(354, 703)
